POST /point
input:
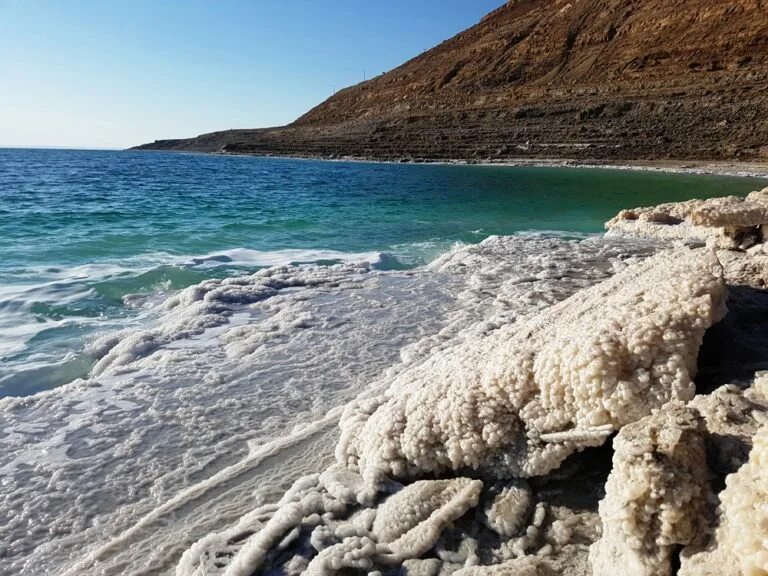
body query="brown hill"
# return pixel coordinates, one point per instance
(597, 79)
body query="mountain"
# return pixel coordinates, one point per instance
(582, 79)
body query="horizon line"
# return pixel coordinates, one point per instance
(56, 147)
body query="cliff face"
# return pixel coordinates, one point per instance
(603, 79)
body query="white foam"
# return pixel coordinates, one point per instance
(246, 257)
(38, 304)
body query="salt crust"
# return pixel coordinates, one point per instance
(510, 508)
(742, 537)
(655, 494)
(518, 402)
(739, 546)
(404, 527)
(741, 540)
(728, 222)
(206, 394)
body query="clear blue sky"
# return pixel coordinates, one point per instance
(112, 73)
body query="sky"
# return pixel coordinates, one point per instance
(113, 74)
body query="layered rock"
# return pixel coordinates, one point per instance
(588, 79)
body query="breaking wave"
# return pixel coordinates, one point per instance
(47, 315)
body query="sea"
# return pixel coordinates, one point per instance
(179, 333)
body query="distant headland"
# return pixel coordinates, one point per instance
(585, 80)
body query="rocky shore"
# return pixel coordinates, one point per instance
(622, 430)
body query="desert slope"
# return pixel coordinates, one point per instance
(602, 79)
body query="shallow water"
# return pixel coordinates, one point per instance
(83, 231)
(136, 365)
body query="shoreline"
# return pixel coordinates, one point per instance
(731, 168)
(545, 511)
(630, 474)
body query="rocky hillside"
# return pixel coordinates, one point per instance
(583, 79)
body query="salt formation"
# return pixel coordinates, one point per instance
(519, 401)
(404, 527)
(736, 419)
(742, 537)
(508, 399)
(411, 521)
(509, 510)
(655, 494)
(749, 268)
(732, 416)
(528, 566)
(727, 223)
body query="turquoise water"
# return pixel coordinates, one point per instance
(82, 233)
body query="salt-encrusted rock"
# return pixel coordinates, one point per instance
(301, 505)
(353, 553)
(211, 554)
(510, 508)
(729, 222)
(528, 566)
(411, 521)
(748, 268)
(759, 197)
(732, 416)
(517, 402)
(419, 567)
(741, 546)
(736, 420)
(655, 495)
(760, 386)
(342, 483)
(735, 215)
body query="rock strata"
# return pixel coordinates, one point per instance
(577, 79)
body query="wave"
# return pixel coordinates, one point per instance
(246, 257)
(49, 315)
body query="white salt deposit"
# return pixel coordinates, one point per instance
(655, 494)
(518, 401)
(185, 426)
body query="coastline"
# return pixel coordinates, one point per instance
(734, 168)
(493, 456)
(469, 300)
